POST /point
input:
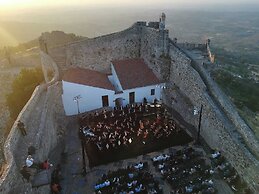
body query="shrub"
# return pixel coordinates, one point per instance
(22, 88)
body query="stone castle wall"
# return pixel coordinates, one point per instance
(154, 50)
(11, 176)
(191, 46)
(187, 89)
(149, 49)
(44, 119)
(227, 107)
(96, 53)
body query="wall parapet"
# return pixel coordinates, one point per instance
(47, 60)
(187, 45)
(183, 55)
(195, 82)
(229, 109)
(9, 177)
(106, 36)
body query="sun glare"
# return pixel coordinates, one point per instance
(7, 36)
(21, 3)
(8, 2)
(2, 2)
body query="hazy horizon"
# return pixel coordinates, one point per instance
(26, 20)
(13, 7)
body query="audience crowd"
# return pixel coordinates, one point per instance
(186, 171)
(228, 173)
(138, 123)
(133, 179)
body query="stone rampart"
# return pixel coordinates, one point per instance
(187, 89)
(11, 176)
(96, 53)
(51, 123)
(46, 62)
(192, 46)
(149, 48)
(44, 119)
(230, 111)
(153, 49)
(43, 116)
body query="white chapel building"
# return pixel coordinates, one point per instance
(131, 81)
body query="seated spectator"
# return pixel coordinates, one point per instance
(46, 165)
(131, 175)
(30, 162)
(215, 154)
(107, 183)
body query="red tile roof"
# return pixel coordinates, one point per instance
(134, 73)
(88, 77)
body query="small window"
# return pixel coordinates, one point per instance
(152, 92)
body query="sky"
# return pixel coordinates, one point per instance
(20, 4)
(73, 15)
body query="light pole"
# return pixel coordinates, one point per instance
(195, 112)
(83, 154)
(76, 99)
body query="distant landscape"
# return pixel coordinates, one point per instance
(234, 39)
(233, 31)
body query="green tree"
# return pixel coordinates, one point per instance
(22, 89)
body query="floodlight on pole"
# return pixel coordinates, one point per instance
(197, 111)
(76, 99)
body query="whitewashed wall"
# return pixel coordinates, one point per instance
(140, 93)
(91, 97)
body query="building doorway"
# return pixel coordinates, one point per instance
(132, 97)
(105, 101)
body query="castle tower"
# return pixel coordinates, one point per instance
(162, 21)
(164, 40)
